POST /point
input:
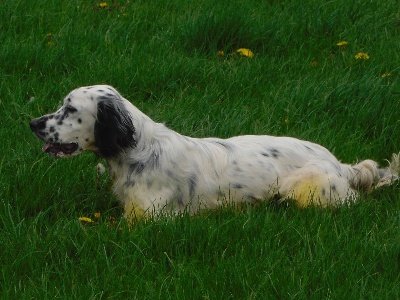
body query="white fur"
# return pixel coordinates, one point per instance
(161, 170)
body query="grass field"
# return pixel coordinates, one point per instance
(164, 56)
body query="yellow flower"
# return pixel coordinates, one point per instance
(245, 52)
(85, 219)
(97, 215)
(361, 55)
(386, 75)
(342, 43)
(103, 4)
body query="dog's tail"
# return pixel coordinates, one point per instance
(368, 176)
(390, 174)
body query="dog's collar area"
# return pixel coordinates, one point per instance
(60, 150)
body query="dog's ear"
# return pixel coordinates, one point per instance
(114, 131)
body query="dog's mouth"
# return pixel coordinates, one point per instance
(60, 150)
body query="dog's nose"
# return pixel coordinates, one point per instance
(37, 124)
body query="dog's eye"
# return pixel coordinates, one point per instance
(70, 109)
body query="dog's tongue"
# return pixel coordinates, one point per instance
(55, 148)
(51, 148)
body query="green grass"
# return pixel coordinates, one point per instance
(162, 55)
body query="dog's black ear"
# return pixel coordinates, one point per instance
(114, 131)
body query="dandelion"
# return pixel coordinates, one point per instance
(220, 53)
(245, 52)
(97, 215)
(49, 38)
(103, 4)
(85, 220)
(362, 55)
(342, 43)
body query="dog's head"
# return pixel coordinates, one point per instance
(91, 118)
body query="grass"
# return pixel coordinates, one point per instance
(162, 55)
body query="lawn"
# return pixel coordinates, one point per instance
(322, 71)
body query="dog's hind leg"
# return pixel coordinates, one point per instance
(312, 186)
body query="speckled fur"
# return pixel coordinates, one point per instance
(156, 169)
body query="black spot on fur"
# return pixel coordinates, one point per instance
(130, 183)
(154, 159)
(137, 167)
(51, 129)
(192, 185)
(265, 154)
(333, 188)
(69, 110)
(309, 149)
(274, 152)
(56, 135)
(224, 144)
(179, 198)
(238, 186)
(38, 124)
(114, 131)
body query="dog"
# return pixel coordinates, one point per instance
(155, 169)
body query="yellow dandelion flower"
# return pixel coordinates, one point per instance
(97, 215)
(362, 55)
(342, 43)
(85, 219)
(103, 4)
(220, 53)
(386, 75)
(245, 52)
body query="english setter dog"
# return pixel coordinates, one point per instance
(155, 169)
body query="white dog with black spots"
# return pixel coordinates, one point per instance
(155, 169)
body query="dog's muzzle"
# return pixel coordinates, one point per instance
(38, 127)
